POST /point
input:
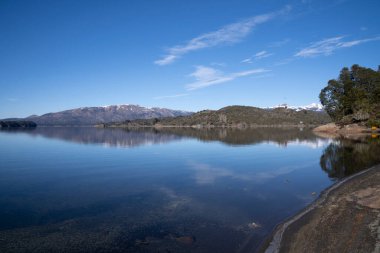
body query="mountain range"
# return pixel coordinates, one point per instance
(88, 116)
(236, 116)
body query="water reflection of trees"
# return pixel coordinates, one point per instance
(143, 136)
(345, 157)
(247, 136)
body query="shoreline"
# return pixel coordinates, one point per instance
(208, 126)
(275, 242)
(332, 130)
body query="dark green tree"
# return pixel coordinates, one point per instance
(354, 96)
(332, 98)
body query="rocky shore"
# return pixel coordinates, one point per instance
(345, 218)
(332, 130)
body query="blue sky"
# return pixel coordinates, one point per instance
(189, 55)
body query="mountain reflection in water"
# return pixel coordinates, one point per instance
(116, 137)
(162, 190)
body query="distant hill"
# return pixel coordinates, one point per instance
(88, 116)
(237, 116)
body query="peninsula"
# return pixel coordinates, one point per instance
(17, 124)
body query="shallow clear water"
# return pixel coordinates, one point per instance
(168, 190)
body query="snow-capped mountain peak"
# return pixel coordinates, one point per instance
(311, 107)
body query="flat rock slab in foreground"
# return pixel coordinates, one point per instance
(347, 220)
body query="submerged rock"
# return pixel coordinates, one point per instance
(254, 225)
(186, 239)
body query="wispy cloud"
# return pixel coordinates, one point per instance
(328, 46)
(279, 43)
(172, 96)
(262, 76)
(208, 174)
(206, 76)
(248, 60)
(261, 55)
(219, 64)
(229, 34)
(284, 61)
(257, 56)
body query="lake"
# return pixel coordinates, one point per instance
(163, 190)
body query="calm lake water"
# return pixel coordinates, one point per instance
(169, 190)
